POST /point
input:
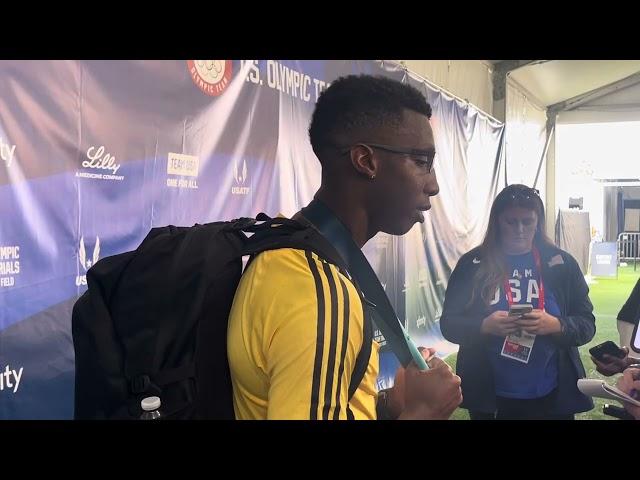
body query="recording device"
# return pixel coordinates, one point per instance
(617, 412)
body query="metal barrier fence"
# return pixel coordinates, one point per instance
(629, 247)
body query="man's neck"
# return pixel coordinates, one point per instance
(344, 208)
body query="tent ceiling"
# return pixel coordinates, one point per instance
(551, 82)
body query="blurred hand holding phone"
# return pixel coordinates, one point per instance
(518, 310)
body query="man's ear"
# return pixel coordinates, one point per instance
(363, 160)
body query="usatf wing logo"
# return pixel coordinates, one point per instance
(86, 262)
(240, 176)
(211, 76)
(82, 254)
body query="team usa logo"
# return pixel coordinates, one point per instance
(211, 76)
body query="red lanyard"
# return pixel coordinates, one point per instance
(507, 286)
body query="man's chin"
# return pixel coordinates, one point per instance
(400, 230)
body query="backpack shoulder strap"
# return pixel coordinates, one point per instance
(297, 235)
(335, 232)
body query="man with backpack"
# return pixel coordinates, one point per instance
(299, 336)
(156, 336)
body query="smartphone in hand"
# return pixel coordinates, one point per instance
(608, 348)
(519, 309)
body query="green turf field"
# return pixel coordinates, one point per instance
(607, 295)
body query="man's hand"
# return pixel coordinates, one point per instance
(429, 394)
(629, 383)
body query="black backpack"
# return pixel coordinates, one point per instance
(153, 321)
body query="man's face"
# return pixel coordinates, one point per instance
(404, 182)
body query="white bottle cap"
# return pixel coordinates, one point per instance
(150, 403)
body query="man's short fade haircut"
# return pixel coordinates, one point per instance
(357, 102)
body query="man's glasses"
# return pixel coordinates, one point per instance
(423, 157)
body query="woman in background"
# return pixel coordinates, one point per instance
(519, 366)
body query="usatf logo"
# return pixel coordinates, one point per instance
(211, 76)
(87, 263)
(240, 177)
(6, 152)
